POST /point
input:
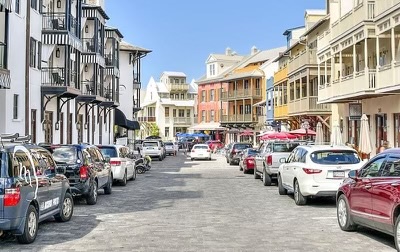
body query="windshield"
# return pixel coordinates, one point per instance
(168, 143)
(65, 154)
(335, 157)
(201, 147)
(150, 144)
(108, 151)
(242, 146)
(253, 152)
(285, 147)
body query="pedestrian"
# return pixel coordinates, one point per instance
(384, 146)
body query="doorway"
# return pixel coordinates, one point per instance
(381, 126)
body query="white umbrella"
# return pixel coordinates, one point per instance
(319, 138)
(364, 144)
(336, 135)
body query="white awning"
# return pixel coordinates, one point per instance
(207, 126)
(260, 104)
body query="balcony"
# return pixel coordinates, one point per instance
(56, 76)
(383, 6)
(111, 61)
(147, 119)
(60, 22)
(363, 12)
(308, 105)
(177, 87)
(5, 80)
(3, 55)
(247, 118)
(281, 111)
(183, 121)
(89, 87)
(89, 46)
(323, 41)
(306, 57)
(281, 75)
(242, 94)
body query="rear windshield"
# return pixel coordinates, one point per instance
(150, 144)
(335, 157)
(253, 151)
(201, 147)
(108, 151)
(285, 147)
(168, 143)
(65, 154)
(242, 146)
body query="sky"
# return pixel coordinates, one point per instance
(183, 33)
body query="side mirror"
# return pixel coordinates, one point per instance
(268, 150)
(107, 159)
(282, 160)
(353, 174)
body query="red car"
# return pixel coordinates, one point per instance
(371, 196)
(215, 144)
(246, 161)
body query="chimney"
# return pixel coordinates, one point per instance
(228, 51)
(254, 50)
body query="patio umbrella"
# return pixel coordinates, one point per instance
(278, 135)
(364, 144)
(336, 135)
(303, 132)
(319, 138)
(246, 133)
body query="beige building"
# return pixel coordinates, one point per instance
(361, 48)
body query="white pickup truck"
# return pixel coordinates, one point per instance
(268, 159)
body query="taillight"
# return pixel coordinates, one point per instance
(233, 151)
(83, 172)
(12, 196)
(311, 171)
(208, 150)
(269, 160)
(159, 148)
(193, 150)
(116, 163)
(250, 161)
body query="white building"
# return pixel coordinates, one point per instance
(170, 104)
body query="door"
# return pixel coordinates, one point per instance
(55, 181)
(286, 169)
(101, 167)
(385, 189)
(360, 197)
(48, 127)
(293, 168)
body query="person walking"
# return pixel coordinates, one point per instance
(383, 147)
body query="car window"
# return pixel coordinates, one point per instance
(21, 165)
(150, 144)
(290, 159)
(169, 143)
(391, 168)
(332, 157)
(301, 155)
(284, 147)
(65, 154)
(109, 151)
(87, 159)
(242, 146)
(201, 147)
(251, 151)
(99, 155)
(46, 163)
(93, 154)
(123, 152)
(372, 169)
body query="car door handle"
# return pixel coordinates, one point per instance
(395, 184)
(367, 186)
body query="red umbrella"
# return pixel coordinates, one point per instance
(278, 135)
(246, 133)
(302, 132)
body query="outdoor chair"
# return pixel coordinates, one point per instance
(58, 80)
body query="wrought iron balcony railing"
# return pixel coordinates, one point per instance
(56, 76)
(3, 55)
(58, 21)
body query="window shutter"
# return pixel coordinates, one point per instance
(39, 53)
(40, 6)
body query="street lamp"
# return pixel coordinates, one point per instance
(306, 125)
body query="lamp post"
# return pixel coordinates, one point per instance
(306, 125)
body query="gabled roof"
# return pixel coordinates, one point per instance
(315, 12)
(292, 29)
(235, 76)
(224, 57)
(173, 74)
(316, 25)
(263, 56)
(110, 28)
(125, 46)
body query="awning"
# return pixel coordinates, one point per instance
(120, 120)
(5, 4)
(260, 104)
(207, 126)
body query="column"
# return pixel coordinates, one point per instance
(319, 75)
(340, 65)
(393, 45)
(244, 110)
(365, 55)
(326, 71)
(333, 74)
(354, 60)
(377, 52)
(301, 87)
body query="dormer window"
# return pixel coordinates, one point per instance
(212, 69)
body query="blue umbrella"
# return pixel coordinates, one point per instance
(200, 135)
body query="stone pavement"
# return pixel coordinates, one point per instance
(183, 205)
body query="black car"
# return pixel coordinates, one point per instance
(232, 156)
(86, 169)
(31, 189)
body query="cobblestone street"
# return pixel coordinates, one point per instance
(183, 205)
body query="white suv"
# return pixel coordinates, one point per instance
(315, 170)
(153, 148)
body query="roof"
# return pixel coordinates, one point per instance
(225, 57)
(173, 74)
(264, 55)
(177, 103)
(292, 29)
(115, 30)
(316, 25)
(315, 12)
(285, 53)
(254, 73)
(125, 46)
(91, 6)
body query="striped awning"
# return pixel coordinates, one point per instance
(5, 5)
(95, 12)
(112, 71)
(93, 58)
(5, 79)
(61, 39)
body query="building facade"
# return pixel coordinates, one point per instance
(169, 106)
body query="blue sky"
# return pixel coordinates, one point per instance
(182, 33)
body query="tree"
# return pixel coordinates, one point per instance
(154, 129)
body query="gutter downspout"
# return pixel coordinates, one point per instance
(27, 60)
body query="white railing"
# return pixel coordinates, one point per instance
(323, 40)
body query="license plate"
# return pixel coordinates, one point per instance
(338, 174)
(200, 154)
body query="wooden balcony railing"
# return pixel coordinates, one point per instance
(307, 105)
(147, 119)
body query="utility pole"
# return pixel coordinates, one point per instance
(27, 61)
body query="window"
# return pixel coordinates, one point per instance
(32, 53)
(328, 157)
(34, 4)
(166, 134)
(212, 95)
(182, 96)
(176, 96)
(203, 96)
(17, 7)
(188, 113)
(371, 170)
(15, 106)
(246, 84)
(241, 109)
(181, 113)
(203, 115)
(247, 109)
(174, 113)
(212, 117)
(391, 168)
(166, 112)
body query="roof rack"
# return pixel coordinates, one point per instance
(14, 138)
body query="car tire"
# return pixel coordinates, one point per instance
(160, 158)
(134, 175)
(240, 168)
(209, 159)
(299, 199)
(266, 178)
(31, 226)
(343, 215)
(282, 190)
(256, 176)
(91, 199)
(227, 161)
(231, 162)
(192, 159)
(67, 209)
(124, 179)
(108, 188)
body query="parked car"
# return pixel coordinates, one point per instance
(316, 171)
(86, 169)
(122, 166)
(267, 160)
(31, 190)
(200, 151)
(369, 196)
(170, 148)
(227, 149)
(153, 148)
(247, 160)
(232, 156)
(214, 144)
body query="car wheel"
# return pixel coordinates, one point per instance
(209, 159)
(140, 169)
(66, 210)
(299, 199)
(227, 161)
(192, 159)
(343, 215)
(124, 180)
(266, 178)
(108, 188)
(31, 226)
(282, 190)
(231, 162)
(134, 174)
(91, 199)
(240, 167)
(256, 176)
(160, 158)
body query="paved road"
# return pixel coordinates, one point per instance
(183, 205)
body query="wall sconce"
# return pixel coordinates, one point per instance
(341, 124)
(86, 29)
(86, 126)
(58, 3)
(58, 52)
(86, 68)
(57, 126)
(78, 125)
